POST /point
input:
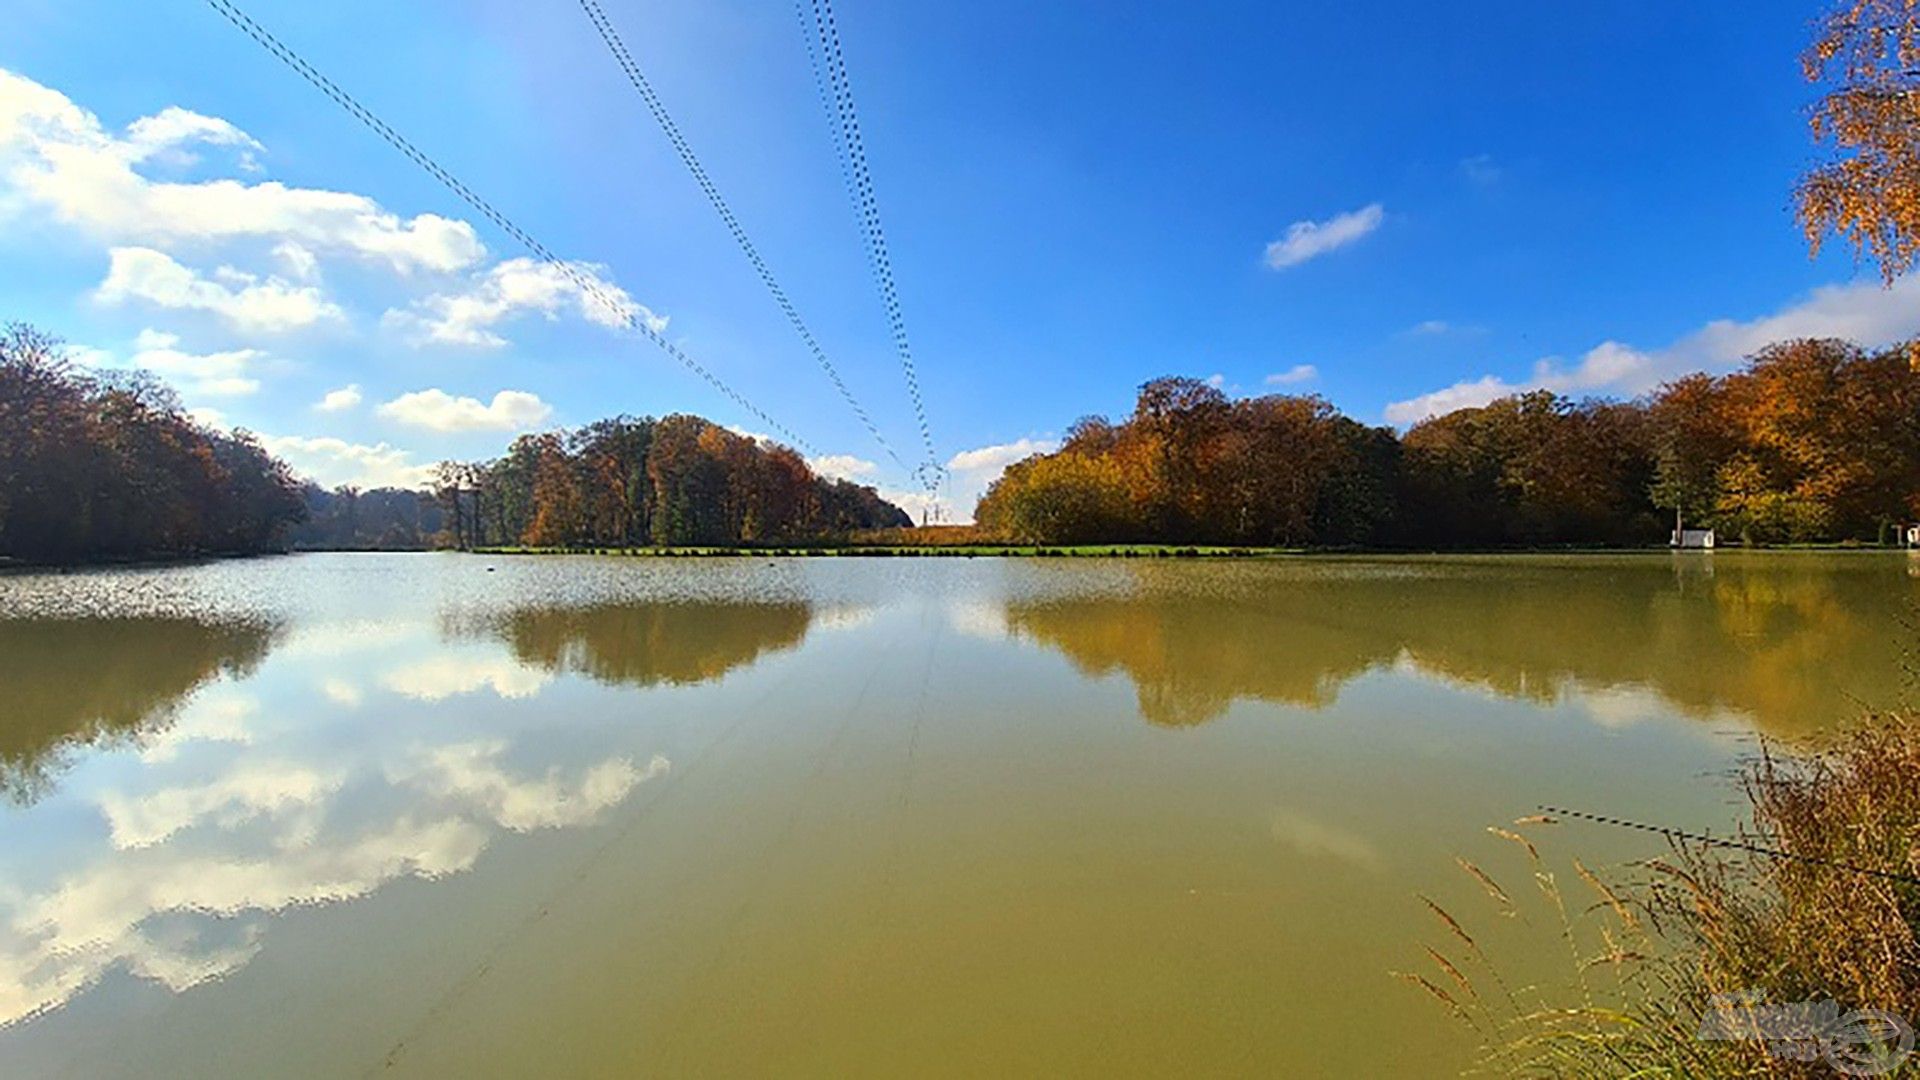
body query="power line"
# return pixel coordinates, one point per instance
(604, 24)
(836, 95)
(1740, 845)
(587, 284)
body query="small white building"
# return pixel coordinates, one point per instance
(1692, 538)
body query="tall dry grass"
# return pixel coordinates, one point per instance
(1647, 953)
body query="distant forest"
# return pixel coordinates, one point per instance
(678, 481)
(1813, 440)
(108, 465)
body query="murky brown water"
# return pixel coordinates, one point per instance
(409, 815)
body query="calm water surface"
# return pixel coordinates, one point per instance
(441, 815)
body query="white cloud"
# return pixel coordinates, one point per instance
(450, 675)
(843, 467)
(342, 693)
(244, 300)
(57, 158)
(264, 787)
(169, 132)
(195, 851)
(347, 397)
(209, 418)
(917, 504)
(1461, 395)
(300, 262)
(437, 410)
(1863, 312)
(1216, 380)
(219, 374)
(991, 461)
(511, 287)
(213, 717)
(1310, 239)
(470, 773)
(332, 462)
(972, 471)
(57, 942)
(1298, 373)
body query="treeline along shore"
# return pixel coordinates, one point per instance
(1811, 441)
(103, 465)
(107, 465)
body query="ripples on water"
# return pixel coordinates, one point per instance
(325, 813)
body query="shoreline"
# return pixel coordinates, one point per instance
(1147, 551)
(9, 566)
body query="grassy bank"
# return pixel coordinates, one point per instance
(1676, 966)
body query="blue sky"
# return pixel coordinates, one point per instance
(1404, 207)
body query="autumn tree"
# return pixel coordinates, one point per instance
(1692, 436)
(1867, 53)
(559, 496)
(108, 464)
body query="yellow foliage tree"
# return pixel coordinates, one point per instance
(1868, 52)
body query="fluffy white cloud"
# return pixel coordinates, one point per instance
(437, 410)
(470, 773)
(1864, 312)
(512, 287)
(1298, 373)
(220, 716)
(332, 462)
(169, 132)
(340, 400)
(200, 848)
(843, 467)
(59, 159)
(139, 273)
(452, 674)
(991, 461)
(218, 374)
(266, 787)
(1310, 239)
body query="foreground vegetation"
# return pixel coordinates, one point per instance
(1673, 973)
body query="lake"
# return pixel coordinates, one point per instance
(455, 815)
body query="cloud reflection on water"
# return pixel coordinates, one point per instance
(222, 773)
